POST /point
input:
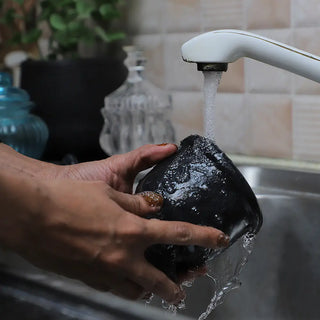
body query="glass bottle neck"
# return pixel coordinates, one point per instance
(135, 74)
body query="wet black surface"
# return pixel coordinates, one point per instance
(201, 185)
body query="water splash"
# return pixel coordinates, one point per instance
(223, 276)
(211, 83)
(224, 271)
(149, 300)
(173, 309)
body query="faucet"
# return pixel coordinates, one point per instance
(212, 51)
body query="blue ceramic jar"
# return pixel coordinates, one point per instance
(24, 132)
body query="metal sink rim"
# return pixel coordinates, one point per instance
(264, 179)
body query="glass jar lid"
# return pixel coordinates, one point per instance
(12, 96)
(10, 93)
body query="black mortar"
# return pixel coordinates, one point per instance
(200, 185)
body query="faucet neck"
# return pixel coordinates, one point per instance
(225, 46)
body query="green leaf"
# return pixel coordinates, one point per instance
(45, 14)
(85, 8)
(75, 26)
(31, 36)
(64, 39)
(16, 39)
(8, 17)
(19, 2)
(63, 3)
(108, 12)
(71, 13)
(57, 22)
(108, 37)
(116, 36)
(61, 37)
(101, 34)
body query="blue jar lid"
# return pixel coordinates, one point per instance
(12, 96)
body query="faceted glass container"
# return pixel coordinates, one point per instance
(24, 132)
(137, 113)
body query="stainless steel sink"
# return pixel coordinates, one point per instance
(280, 281)
(272, 180)
(282, 277)
(27, 293)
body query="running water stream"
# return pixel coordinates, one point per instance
(211, 83)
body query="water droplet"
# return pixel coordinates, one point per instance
(149, 300)
(188, 283)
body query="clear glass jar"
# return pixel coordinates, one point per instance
(24, 132)
(137, 113)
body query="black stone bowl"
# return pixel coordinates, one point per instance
(200, 185)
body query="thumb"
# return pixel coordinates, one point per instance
(130, 164)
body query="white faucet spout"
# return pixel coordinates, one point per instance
(225, 46)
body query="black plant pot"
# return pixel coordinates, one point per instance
(69, 95)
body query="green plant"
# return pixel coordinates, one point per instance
(70, 22)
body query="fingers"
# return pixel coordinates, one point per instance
(155, 281)
(192, 274)
(140, 204)
(148, 155)
(142, 158)
(100, 277)
(129, 290)
(123, 288)
(169, 232)
(142, 278)
(129, 294)
(183, 233)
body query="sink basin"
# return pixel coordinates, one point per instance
(34, 295)
(282, 278)
(280, 281)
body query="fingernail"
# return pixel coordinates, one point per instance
(153, 199)
(223, 240)
(165, 144)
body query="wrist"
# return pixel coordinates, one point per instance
(20, 198)
(16, 163)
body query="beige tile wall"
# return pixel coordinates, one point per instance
(260, 110)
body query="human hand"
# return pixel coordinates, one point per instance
(64, 239)
(89, 231)
(118, 171)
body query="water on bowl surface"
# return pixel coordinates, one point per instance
(205, 293)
